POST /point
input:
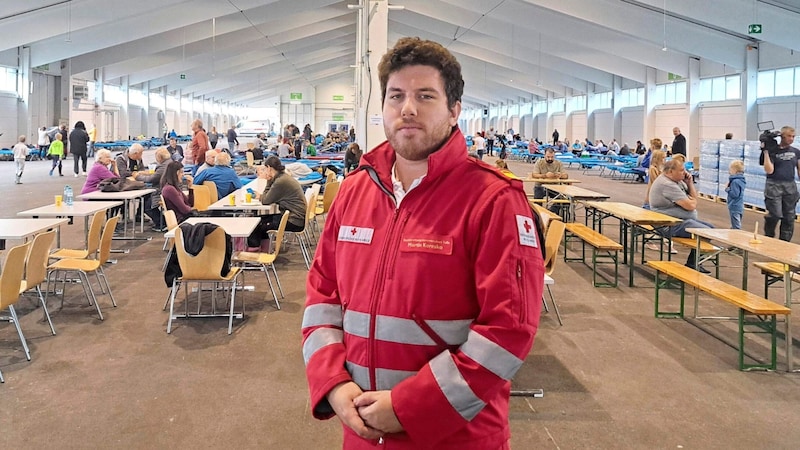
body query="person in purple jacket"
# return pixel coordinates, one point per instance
(99, 171)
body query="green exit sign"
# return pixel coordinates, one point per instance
(338, 117)
(754, 28)
(338, 98)
(183, 76)
(295, 96)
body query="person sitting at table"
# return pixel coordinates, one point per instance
(151, 202)
(211, 158)
(547, 167)
(129, 162)
(172, 191)
(222, 174)
(175, 150)
(673, 193)
(99, 171)
(577, 148)
(284, 190)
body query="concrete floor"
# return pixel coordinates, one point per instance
(613, 375)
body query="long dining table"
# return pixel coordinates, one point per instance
(22, 229)
(78, 209)
(573, 194)
(783, 252)
(632, 219)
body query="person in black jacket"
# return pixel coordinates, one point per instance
(679, 143)
(78, 146)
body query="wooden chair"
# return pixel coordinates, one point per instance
(92, 241)
(10, 280)
(552, 241)
(171, 221)
(202, 197)
(250, 162)
(331, 189)
(83, 267)
(36, 269)
(212, 191)
(202, 268)
(267, 260)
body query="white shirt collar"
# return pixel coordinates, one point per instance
(397, 186)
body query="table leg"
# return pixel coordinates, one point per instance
(632, 249)
(787, 286)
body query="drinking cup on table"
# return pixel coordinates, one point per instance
(59, 199)
(248, 197)
(232, 199)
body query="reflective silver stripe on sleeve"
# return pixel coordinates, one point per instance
(356, 323)
(454, 332)
(387, 379)
(321, 337)
(493, 357)
(322, 314)
(360, 375)
(407, 331)
(455, 387)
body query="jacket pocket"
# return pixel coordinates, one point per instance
(517, 269)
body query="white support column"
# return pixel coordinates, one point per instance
(124, 109)
(693, 98)
(616, 92)
(146, 131)
(649, 116)
(24, 125)
(374, 23)
(591, 129)
(749, 94)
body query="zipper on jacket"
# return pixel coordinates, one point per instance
(523, 308)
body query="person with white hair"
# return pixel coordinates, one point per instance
(222, 174)
(211, 157)
(129, 162)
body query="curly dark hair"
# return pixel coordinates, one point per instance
(411, 51)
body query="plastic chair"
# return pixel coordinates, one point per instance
(202, 268)
(331, 189)
(302, 237)
(202, 197)
(83, 267)
(250, 162)
(171, 222)
(92, 241)
(552, 241)
(36, 269)
(213, 193)
(10, 280)
(267, 260)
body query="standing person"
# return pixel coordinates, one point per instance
(674, 194)
(735, 191)
(679, 143)
(164, 131)
(213, 137)
(401, 354)
(640, 148)
(92, 139)
(490, 142)
(555, 136)
(43, 141)
(780, 191)
(199, 144)
(78, 146)
(480, 145)
(20, 153)
(232, 139)
(307, 132)
(56, 152)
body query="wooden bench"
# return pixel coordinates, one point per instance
(755, 313)
(773, 273)
(603, 249)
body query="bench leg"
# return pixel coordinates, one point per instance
(762, 326)
(569, 237)
(667, 284)
(613, 256)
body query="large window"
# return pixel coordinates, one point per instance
(671, 93)
(721, 88)
(631, 97)
(577, 103)
(113, 94)
(602, 100)
(779, 82)
(557, 104)
(8, 79)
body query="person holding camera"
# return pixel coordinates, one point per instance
(781, 162)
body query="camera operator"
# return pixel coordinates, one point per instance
(780, 161)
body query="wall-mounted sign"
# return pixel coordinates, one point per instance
(338, 98)
(673, 77)
(183, 76)
(754, 28)
(338, 117)
(376, 119)
(296, 96)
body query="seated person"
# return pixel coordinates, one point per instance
(311, 150)
(577, 148)
(151, 202)
(352, 158)
(287, 193)
(624, 150)
(673, 193)
(175, 150)
(172, 191)
(222, 174)
(130, 161)
(547, 167)
(561, 147)
(99, 171)
(533, 146)
(211, 157)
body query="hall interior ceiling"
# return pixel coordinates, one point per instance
(251, 51)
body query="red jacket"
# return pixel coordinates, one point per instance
(437, 300)
(199, 147)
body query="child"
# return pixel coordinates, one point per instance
(735, 190)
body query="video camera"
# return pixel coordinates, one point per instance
(768, 136)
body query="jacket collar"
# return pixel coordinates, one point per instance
(446, 158)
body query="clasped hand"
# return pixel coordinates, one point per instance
(369, 414)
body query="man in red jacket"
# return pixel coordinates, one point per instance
(420, 308)
(199, 144)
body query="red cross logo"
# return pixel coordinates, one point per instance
(353, 231)
(527, 227)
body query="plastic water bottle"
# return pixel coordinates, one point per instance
(68, 195)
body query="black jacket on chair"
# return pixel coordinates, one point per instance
(194, 237)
